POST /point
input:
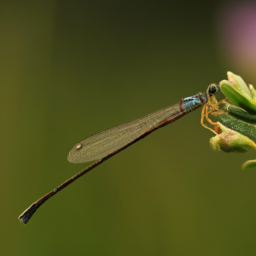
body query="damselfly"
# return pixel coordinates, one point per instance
(105, 144)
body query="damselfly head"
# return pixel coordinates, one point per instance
(212, 89)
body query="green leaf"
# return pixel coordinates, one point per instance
(236, 97)
(249, 164)
(253, 92)
(239, 83)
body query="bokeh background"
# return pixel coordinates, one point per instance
(70, 69)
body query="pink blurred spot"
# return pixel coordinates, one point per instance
(237, 31)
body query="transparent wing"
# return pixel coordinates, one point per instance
(101, 144)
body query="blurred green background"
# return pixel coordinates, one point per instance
(70, 69)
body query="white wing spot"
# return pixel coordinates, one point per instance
(79, 146)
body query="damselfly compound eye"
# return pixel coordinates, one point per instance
(212, 89)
